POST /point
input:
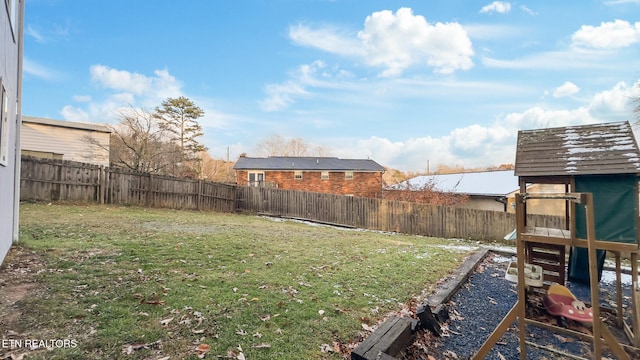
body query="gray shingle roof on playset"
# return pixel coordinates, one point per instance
(308, 163)
(608, 148)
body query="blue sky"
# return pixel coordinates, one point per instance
(404, 83)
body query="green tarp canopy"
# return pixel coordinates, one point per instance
(615, 208)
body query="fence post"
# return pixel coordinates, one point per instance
(101, 185)
(56, 188)
(149, 200)
(235, 203)
(198, 195)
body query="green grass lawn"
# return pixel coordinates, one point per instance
(134, 283)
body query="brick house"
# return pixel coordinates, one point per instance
(355, 177)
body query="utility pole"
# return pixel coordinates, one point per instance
(227, 164)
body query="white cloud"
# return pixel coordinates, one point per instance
(609, 35)
(615, 103)
(32, 68)
(395, 42)
(124, 89)
(592, 48)
(141, 90)
(50, 34)
(572, 59)
(477, 145)
(398, 41)
(620, 2)
(501, 7)
(120, 79)
(71, 113)
(328, 39)
(35, 34)
(566, 89)
(527, 10)
(281, 96)
(314, 75)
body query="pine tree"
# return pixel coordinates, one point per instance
(179, 118)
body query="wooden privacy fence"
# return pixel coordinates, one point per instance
(56, 180)
(386, 215)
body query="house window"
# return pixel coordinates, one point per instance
(4, 127)
(297, 175)
(12, 10)
(256, 178)
(348, 175)
(324, 175)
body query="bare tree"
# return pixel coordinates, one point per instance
(215, 169)
(137, 143)
(276, 145)
(426, 193)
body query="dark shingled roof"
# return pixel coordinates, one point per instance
(306, 163)
(608, 148)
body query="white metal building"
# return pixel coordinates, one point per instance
(65, 140)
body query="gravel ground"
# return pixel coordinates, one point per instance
(477, 308)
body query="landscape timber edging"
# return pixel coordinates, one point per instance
(391, 336)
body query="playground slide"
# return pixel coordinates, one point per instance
(560, 301)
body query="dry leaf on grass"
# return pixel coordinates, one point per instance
(12, 356)
(326, 348)
(152, 302)
(166, 322)
(202, 350)
(239, 355)
(367, 327)
(131, 348)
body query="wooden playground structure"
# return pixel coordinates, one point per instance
(598, 166)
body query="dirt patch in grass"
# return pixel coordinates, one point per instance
(17, 282)
(11, 295)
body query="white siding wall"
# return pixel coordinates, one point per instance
(541, 207)
(10, 47)
(69, 142)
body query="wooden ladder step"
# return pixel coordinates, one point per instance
(552, 259)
